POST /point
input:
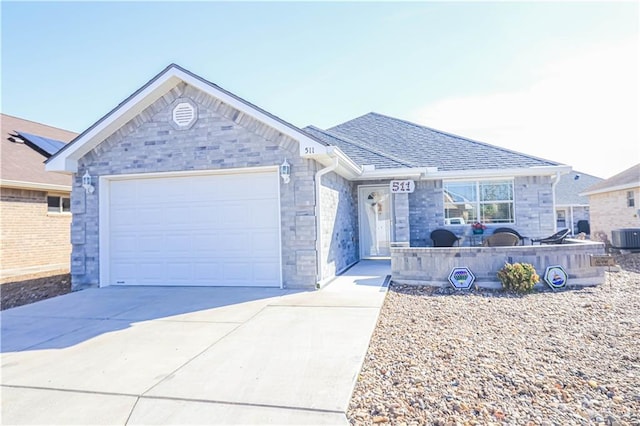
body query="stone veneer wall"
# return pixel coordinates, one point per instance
(432, 266)
(30, 235)
(339, 226)
(534, 210)
(221, 138)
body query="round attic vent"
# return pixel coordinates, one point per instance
(184, 114)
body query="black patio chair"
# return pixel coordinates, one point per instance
(557, 238)
(501, 239)
(511, 231)
(583, 226)
(444, 238)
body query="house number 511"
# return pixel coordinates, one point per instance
(399, 186)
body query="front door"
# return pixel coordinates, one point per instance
(375, 221)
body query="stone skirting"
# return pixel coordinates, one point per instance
(432, 265)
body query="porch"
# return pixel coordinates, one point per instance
(432, 265)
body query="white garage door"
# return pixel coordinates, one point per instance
(214, 230)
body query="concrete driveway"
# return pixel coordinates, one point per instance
(171, 355)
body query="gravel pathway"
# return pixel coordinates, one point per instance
(566, 358)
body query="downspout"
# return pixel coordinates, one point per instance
(554, 182)
(319, 175)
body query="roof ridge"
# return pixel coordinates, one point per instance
(462, 137)
(363, 146)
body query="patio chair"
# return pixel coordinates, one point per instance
(583, 226)
(444, 238)
(557, 238)
(512, 231)
(501, 239)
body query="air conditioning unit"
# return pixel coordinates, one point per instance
(626, 238)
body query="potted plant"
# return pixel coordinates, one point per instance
(478, 228)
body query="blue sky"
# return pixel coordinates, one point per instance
(558, 80)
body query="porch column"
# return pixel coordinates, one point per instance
(401, 218)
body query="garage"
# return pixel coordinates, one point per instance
(192, 230)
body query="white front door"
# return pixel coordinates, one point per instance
(375, 221)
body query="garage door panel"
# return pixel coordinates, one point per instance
(179, 272)
(265, 211)
(266, 272)
(198, 230)
(265, 243)
(237, 271)
(236, 214)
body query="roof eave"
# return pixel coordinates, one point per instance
(498, 173)
(632, 185)
(37, 186)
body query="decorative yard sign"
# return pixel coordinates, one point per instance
(601, 260)
(555, 276)
(402, 186)
(461, 278)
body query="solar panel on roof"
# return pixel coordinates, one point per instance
(48, 146)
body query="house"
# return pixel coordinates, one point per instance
(34, 203)
(572, 209)
(614, 203)
(185, 183)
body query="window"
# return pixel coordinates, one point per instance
(486, 201)
(57, 204)
(561, 218)
(630, 199)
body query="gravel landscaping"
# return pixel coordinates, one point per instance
(570, 357)
(33, 289)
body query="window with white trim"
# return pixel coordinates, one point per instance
(485, 201)
(631, 202)
(58, 204)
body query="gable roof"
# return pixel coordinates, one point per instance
(427, 147)
(571, 185)
(627, 179)
(66, 159)
(22, 163)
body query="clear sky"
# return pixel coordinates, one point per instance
(558, 80)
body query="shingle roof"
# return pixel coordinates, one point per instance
(361, 154)
(631, 176)
(425, 147)
(23, 163)
(569, 187)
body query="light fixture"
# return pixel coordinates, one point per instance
(86, 182)
(285, 171)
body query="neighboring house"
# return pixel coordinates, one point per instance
(614, 203)
(34, 204)
(571, 207)
(188, 184)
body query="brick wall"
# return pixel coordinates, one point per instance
(339, 215)
(609, 211)
(30, 235)
(221, 138)
(432, 266)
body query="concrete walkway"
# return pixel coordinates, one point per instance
(157, 355)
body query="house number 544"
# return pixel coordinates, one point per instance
(399, 186)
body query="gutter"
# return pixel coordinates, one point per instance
(18, 184)
(554, 183)
(319, 174)
(529, 171)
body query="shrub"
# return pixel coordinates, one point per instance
(518, 277)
